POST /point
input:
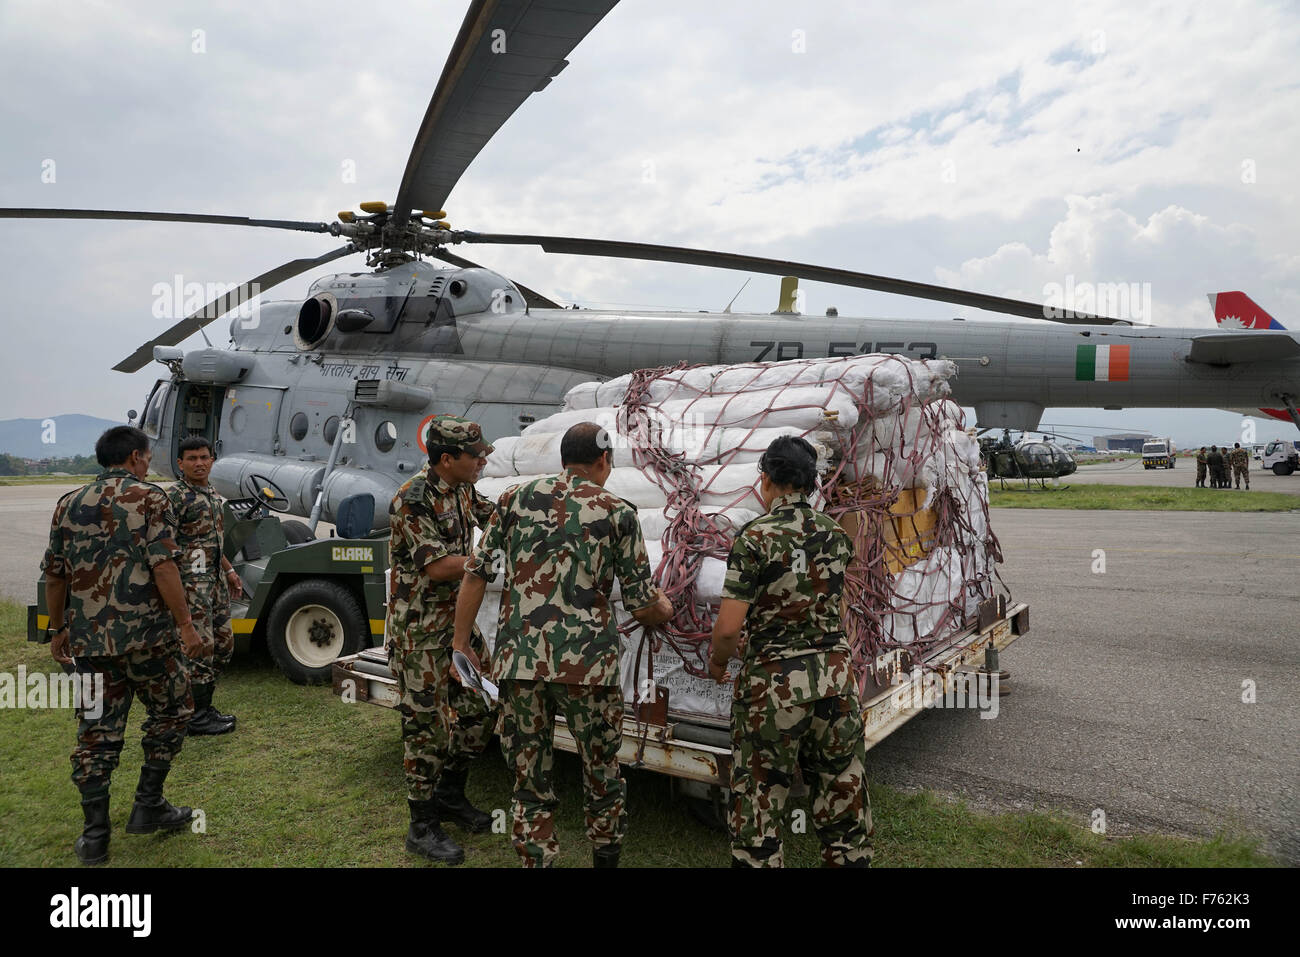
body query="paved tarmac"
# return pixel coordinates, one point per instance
(1131, 472)
(1127, 691)
(1125, 696)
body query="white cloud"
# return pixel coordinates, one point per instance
(1180, 254)
(834, 155)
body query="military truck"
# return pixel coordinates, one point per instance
(1159, 454)
(311, 600)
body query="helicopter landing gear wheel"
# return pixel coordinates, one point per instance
(312, 624)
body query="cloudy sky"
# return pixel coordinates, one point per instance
(997, 147)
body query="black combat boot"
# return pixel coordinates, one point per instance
(205, 720)
(92, 846)
(605, 855)
(152, 812)
(453, 806)
(214, 712)
(427, 838)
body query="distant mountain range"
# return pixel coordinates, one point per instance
(72, 434)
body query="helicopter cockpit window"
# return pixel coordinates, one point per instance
(385, 436)
(1037, 452)
(151, 422)
(298, 426)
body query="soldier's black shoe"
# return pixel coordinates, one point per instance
(426, 837)
(606, 855)
(209, 722)
(449, 798)
(92, 846)
(206, 720)
(214, 712)
(151, 811)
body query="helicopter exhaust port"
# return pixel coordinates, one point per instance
(315, 320)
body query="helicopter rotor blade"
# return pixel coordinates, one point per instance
(781, 267)
(534, 298)
(506, 50)
(37, 213)
(223, 304)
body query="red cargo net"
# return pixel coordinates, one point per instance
(870, 502)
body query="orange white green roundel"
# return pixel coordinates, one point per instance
(1101, 363)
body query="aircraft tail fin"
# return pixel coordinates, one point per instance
(1236, 310)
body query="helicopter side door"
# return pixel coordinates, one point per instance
(198, 412)
(157, 422)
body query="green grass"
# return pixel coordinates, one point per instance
(10, 480)
(308, 781)
(1140, 497)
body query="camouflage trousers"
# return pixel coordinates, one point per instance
(595, 718)
(1201, 469)
(209, 603)
(159, 677)
(1242, 473)
(444, 724)
(824, 738)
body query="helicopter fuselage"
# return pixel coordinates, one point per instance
(377, 353)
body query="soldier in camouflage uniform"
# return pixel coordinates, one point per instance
(209, 579)
(110, 582)
(561, 541)
(444, 725)
(796, 700)
(1240, 464)
(1201, 468)
(1215, 462)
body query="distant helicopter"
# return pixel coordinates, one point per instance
(1029, 459)
(320, 400)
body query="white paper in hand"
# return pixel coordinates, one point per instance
(470, 675)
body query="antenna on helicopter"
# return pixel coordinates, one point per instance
(737, 295)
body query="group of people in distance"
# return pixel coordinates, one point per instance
(1222, 465)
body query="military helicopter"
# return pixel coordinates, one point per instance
(1029, 459)
(326, 398)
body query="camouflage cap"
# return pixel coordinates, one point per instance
(462, 433)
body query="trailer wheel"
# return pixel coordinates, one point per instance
(710, 811)
(312, 624)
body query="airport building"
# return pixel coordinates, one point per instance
(1121, 441)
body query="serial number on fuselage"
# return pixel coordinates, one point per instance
(773, 349)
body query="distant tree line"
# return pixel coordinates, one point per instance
(73, 465)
